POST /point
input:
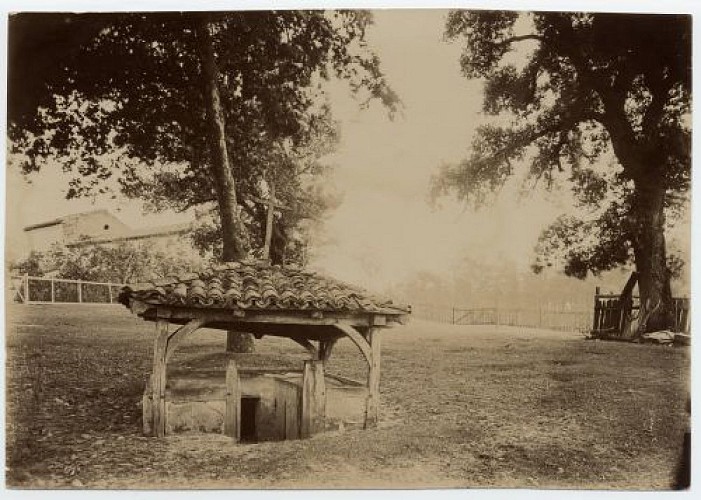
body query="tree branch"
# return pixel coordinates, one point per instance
(654, 112)
(526, 137)
(519, 38)
(613, 117)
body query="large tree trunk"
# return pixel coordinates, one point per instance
(656, 305)
(225, 183)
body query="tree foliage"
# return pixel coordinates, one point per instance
(122, 263)
(121, 97)
(299, 179)
(583, 88)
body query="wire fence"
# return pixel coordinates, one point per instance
(39, 290)
(551, 317)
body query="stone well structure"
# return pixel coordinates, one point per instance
(262, 404)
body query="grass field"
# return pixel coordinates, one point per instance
(461, 407)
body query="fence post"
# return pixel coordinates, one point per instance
(80, 292)
(109, 288)
(53, 291)
(25, 284)
(453, 315)
(597, 309)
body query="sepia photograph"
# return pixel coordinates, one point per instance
(323, 249)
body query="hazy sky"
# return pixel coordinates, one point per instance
(385, 230)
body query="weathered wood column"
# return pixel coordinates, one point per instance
(369, 345)
(232, 414)
(313, 399)
(372, 404)
(158, 379)
(163, 348)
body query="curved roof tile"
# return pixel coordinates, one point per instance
(256, 285)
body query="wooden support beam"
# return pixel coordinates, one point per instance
(178, 335)
(239, 318)
(379, 319)
(311, 349)
(372, 404)
(313, 399)
(325, 347)
(158, 379)
(232, 415)
(358, 340)
(370, 347)
(165, 343)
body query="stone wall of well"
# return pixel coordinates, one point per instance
(197, 404)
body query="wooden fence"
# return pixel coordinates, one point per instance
(551, 318)
(39, 290)
(617, 316)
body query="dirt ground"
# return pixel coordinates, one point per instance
(461, 407)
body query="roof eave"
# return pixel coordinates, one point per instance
(50, 223)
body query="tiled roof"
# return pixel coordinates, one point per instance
(259, 286)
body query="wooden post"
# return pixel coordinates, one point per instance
(269, 222)
(293, 413)
(147, 407)
(685, 320)
(625, 303)
(26, 288)
(52, 291)
(80, 292)
(313, 399)
(597, 309)
(325, 347)
(232, 415)
(158, 380)
(109, 290)
(372, 404)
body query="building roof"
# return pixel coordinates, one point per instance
(138, 234)
(259, 286)
(53, 222)
(62, 219)
(128, 235)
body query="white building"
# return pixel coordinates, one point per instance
(100, 227)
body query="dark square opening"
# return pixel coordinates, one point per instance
(249, 408)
